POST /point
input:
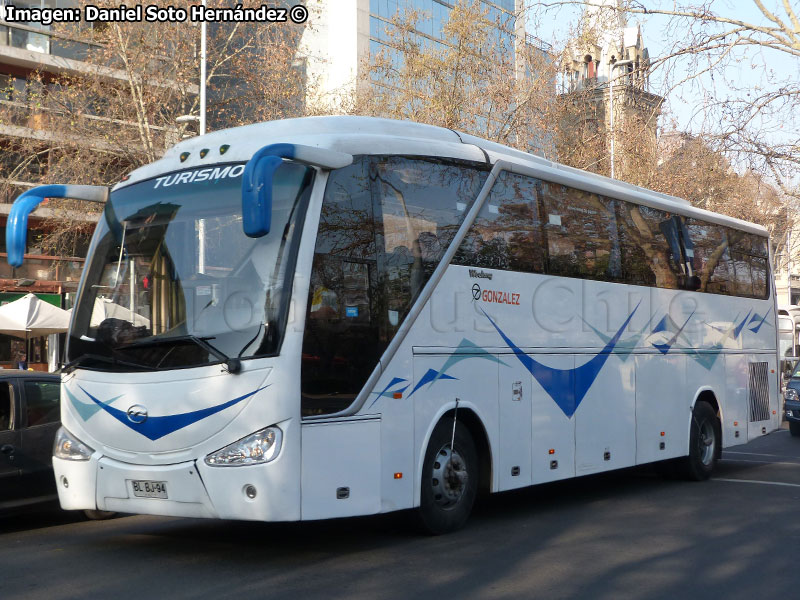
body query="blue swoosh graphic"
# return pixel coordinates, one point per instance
(386, 393)
(762, 320)
(86, 410)
(430, 376)
(664, 348)
(739, 327)
(567, 387)
(155, 428)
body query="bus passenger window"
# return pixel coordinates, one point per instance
(580, 231)
(711, 256)
(507, 231)
(419, 206)
(647, 257)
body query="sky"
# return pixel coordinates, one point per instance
(689, 105)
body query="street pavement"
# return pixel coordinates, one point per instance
(629, 534)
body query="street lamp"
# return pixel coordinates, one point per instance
(619, 63)
(203, 74)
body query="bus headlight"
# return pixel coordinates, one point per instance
(257, 448)
(790, 394)
(68, 447)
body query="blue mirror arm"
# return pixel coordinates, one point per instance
(17, 223)
(258, 174)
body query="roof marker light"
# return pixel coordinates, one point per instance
(184, 156)
(224, 148)
(203, 152)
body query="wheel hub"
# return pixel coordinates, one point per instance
(449, 477)
(706, 441)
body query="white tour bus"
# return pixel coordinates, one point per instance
(339, 316)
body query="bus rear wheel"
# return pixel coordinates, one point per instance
(705, 437)
(449, 479)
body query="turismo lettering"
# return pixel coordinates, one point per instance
(207, 174)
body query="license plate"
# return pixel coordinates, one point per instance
(149, 489)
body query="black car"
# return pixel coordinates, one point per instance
(791, 403)
(30, 415)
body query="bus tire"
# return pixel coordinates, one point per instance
(705, 437)
(794, 428)
(449, 479)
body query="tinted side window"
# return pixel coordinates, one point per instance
(341, 345)
(6, 406)
(580, 231)
(656, 259)
(507, 233)
(749, 264)
(42, 402)
(710, 258)
(419, 206)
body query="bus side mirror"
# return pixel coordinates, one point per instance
(257, 194)
(17, 223)
(260, 170)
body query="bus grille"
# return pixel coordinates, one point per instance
(759, 392)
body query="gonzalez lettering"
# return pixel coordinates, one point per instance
(497, 297)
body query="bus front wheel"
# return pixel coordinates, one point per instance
(705, 437)
(449, 479)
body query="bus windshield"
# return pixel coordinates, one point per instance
(172, 281)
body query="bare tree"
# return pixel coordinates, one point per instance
(482, 77)
(99, 118)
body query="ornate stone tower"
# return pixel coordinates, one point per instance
(606, 69)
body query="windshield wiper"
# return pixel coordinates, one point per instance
(83, 358)
(232, 365)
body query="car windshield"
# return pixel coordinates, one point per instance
(172, 280)
(796, 372)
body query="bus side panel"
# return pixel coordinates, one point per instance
(605, 421)
(438, 383)
(707, 373)
(514, 400)
(553, 430)
(397, 435)
(341, 469)
(734, 418)
(662, 406)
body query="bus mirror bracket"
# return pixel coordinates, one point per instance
(260, 171)
(17, 223)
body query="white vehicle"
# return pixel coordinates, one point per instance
(789, 331)
(339, 316)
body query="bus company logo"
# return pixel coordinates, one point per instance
(137, 414)
(497, 296)
(476, 292)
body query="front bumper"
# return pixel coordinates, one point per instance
(791, 410)
(193, 488)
